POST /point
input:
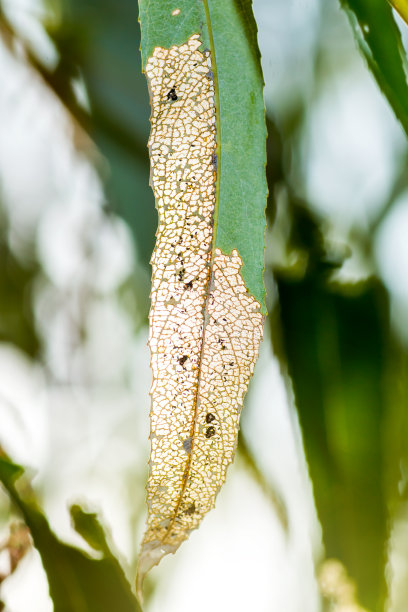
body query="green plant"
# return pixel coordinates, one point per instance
(339, 348)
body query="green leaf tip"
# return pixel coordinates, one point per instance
(9, 471)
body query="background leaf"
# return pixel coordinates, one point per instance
(77, 582)
(335, 340)
(101, 43)
(380, 42)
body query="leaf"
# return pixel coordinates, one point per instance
(380, 42)
(88, 527)
(402, 7)
(77, 582)
(207, 148)
(337, 356)
(101, 41)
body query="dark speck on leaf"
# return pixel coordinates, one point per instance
(210, 432)
(209, 417)
(191, 509)
(172, 95)
(183, 359)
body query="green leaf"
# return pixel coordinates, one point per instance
(380, 42)
(335, 343)
(243, 189)
(101, 41)
(76, 581)
(171, 22)
(89, 528)
(227, 28)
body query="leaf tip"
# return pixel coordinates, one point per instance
(151, 554)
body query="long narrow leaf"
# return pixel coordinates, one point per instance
(380, 42)
(336, 350)
(207, 149)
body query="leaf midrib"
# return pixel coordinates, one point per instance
(210, 281)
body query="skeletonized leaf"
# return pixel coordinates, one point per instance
(207, 150)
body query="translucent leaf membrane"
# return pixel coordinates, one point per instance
(205, 327)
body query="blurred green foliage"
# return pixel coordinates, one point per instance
(76, 580)
(335, 340)
(337, 355)
(100, 42)
(16, 285)
(380, 42)
(347, 365)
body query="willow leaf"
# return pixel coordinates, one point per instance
(207, 151)
(380, 42)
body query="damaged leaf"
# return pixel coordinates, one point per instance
(207, 151)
